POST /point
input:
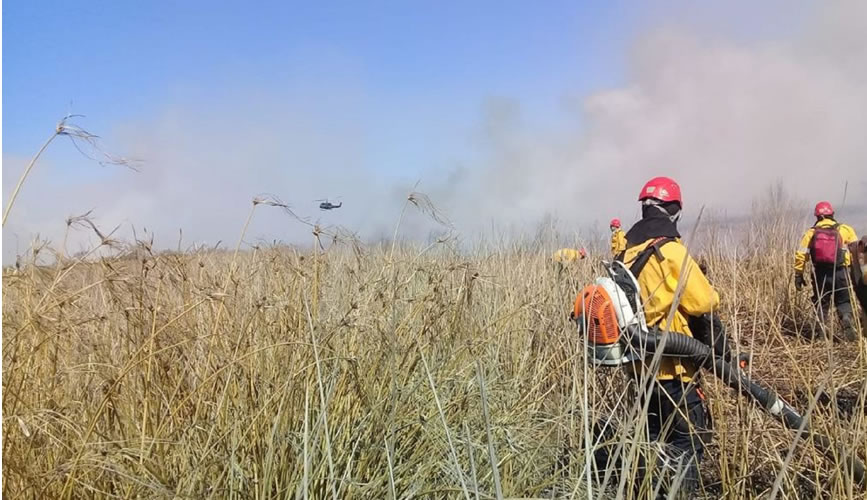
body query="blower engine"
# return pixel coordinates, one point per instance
(610, 314)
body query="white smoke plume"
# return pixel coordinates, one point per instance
(727, 119)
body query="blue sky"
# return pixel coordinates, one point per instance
(410, 79)
(122, 61)
(118, 62)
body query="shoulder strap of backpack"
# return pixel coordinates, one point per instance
(643, 257)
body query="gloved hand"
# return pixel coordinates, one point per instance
(800, 281)
(743, 360)
(709, 329)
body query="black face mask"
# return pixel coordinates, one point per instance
(654, 224)
(671, 208)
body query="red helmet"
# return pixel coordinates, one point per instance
(823, 208)
(615, 223)
(662, 189)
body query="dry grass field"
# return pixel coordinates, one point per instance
(388, 371)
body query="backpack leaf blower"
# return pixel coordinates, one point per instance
(610, 315)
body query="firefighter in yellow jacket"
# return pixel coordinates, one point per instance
(825, 246)
(565, 256)
(618, 237)
(677, 411)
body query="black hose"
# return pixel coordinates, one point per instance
(678, 344)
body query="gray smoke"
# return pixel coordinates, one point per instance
(727, 119)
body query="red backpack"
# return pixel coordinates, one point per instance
(826, 246)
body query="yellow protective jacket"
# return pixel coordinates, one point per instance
(618, 241)
(802, 254)
(565, 255)
(658, 281)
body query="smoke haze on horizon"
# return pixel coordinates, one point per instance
(726, 117)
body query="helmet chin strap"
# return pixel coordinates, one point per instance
(674, 218)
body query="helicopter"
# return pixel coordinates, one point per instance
(327, 205)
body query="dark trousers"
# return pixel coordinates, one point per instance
(830, 285)
(678, 417)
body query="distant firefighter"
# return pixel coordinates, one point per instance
(825, 246)
(566, 255)
(618, 238)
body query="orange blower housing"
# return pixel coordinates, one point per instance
(595, 307)
(602, 311)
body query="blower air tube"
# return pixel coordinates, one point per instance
(681, 345)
